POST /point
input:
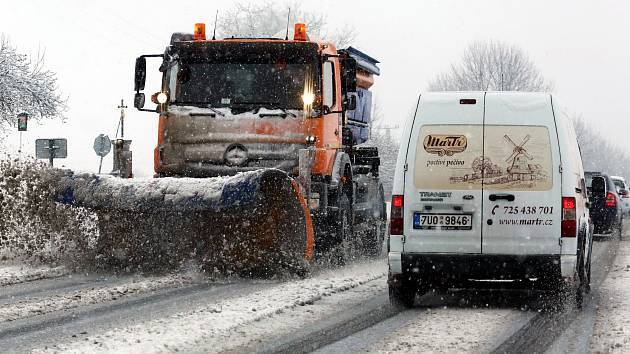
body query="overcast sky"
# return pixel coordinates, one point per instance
(583, 47)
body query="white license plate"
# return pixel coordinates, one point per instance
(425, 221)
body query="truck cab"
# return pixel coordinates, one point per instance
(300, 106)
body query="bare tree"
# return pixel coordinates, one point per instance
(269, 19)
(25, 86)
(598, 153)
(492, 66)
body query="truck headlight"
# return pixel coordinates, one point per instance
(162, 97)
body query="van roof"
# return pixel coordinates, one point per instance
(460, 94)
(509, 100)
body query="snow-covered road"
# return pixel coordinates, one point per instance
(611, 332)
(47, 310)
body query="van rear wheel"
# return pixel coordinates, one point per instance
(403, 294)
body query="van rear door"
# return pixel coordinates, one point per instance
(442, 181)
(522, 183)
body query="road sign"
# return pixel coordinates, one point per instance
(22, 122)
(51, 149)
(102, 145)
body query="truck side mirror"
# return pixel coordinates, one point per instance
(138, 100)
(141, 74)
(351, 102)
(598, 186)
(350, 75)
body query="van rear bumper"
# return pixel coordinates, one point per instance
(460, 267)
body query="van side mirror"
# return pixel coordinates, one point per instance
(598, 186)
(141, 74)
(138, 100)
(349, 75)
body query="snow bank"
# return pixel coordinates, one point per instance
(612, 324)
(15, 274)
(32, 226)
(189, 328)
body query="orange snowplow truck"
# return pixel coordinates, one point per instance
(303, 107)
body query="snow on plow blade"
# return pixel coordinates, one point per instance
(252, 222)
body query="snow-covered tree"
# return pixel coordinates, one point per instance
(25, 86)
(493, 66)
(269, 18)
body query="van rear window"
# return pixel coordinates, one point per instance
(452, 157)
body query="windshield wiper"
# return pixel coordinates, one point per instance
(284, 113)
(269, 105)
(216, 111)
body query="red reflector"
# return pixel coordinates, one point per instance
(396, 226)
(568, 228)
(397, 201)
(568, 203)
(397, 221)
(611, 201)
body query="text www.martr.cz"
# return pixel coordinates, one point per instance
(533, 222)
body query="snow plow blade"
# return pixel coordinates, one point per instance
(254, 222)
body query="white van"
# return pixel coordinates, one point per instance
(488, 185)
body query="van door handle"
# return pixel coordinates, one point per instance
(495, 197)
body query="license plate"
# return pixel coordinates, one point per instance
(424, 221)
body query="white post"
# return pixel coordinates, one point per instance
(20, 148)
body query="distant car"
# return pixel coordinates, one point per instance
(605, 209)
(622, 190)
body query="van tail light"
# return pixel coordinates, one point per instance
(569, 224)
(611, 201)
(396, 220)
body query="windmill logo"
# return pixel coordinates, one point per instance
(520, 168)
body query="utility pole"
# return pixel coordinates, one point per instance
(121, 123)
(122, 148)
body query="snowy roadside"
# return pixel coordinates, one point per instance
(14, 274)
(199, 325)
(612, 324)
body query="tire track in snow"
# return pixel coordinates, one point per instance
(186, 329)
(83, 297)
(43, 331)
(542, 330)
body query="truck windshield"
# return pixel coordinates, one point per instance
(221, 85)
(263, 76)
